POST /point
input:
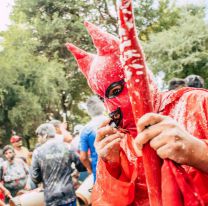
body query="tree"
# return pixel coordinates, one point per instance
(30, 84)
(182, 49)
(54, 23)
(154, 16)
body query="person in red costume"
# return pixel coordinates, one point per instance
(177, 130)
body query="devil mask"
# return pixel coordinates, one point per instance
(105, 75)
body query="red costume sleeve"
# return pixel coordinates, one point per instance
(117, 184)
(110, 191)
(198, 101)
(119, 188)
(189, 107)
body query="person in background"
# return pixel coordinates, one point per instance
(75, 143)
(176, 83)
(19, 149)
(13, 172)
(61, 132)
(95, 109)
(194, 81)
(51, 165)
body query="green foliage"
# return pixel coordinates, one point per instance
(30, 84)
(53, 24)
(182, 49)
(152, 18)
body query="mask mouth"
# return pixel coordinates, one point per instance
(116, 116)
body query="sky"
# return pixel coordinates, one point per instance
(6, 6)
(5, 9)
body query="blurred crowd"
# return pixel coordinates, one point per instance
(58, 165)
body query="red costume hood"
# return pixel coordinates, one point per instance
(103, 69)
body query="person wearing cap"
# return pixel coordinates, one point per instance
(51, 165)
(14, 172)
(20, 151)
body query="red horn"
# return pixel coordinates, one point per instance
(104, 42)
(83, 58)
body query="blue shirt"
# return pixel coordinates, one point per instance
(87, 139)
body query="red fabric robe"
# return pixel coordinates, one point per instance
(124, 184)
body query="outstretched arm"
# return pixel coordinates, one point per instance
(86, 161)
(35, 169)
(114, 176)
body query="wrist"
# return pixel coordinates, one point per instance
(200, 155)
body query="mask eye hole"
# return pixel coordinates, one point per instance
(114, 89)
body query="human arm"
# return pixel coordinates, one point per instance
(107, 144)
(27, 173)
(116, 173)
(117, 169)
(172, 141)
(84, 158)
(84, 147)
(5, 191)
(36, 175)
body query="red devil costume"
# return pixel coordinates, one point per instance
(104, 71)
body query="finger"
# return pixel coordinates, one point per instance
(148, 134)
(110, 138)
(105, 123)
(164, 151)
(137, 149)
(147, 120)
(160, 140)
(102, 132)
(111, 145)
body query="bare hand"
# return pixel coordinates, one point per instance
(170, 140)
(7, 193)
(107, 142)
